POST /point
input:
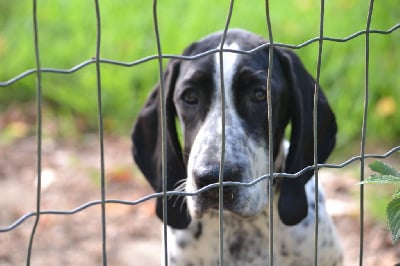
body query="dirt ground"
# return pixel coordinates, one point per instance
(70, 178)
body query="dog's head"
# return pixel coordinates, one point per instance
(193, 96)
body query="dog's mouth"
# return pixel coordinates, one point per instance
(232, 201)
(210, 198)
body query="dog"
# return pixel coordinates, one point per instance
(193, 103)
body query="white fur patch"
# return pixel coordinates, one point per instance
(229, 69)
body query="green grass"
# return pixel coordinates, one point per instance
(67, 33)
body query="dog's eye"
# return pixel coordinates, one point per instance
(259, 95)
(190, 97)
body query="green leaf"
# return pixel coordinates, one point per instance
(393, 216)
(383, 169)
(381, 179)
(396, 195)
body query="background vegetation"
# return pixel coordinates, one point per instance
(67, 37)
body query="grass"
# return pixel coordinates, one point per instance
(67, 37)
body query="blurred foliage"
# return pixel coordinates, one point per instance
(67, 32)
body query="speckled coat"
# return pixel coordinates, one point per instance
(213, 87)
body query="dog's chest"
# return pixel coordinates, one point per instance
(245, 242)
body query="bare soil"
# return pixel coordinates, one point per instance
(71, 177)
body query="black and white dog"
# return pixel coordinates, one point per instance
(193, 97)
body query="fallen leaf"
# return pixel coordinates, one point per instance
(120, 175)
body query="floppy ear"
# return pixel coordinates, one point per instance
(147, 149)
(292, 204)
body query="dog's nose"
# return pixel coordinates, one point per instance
(205, 176)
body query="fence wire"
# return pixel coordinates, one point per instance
(163, 131)
(270, 134)
(98, 61)
(39, 131)
(364, 131)
(101, 134)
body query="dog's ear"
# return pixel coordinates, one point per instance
(292, 204)
(147, 148)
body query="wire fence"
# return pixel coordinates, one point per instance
(160, 56)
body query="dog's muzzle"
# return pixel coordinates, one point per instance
(210, 174)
